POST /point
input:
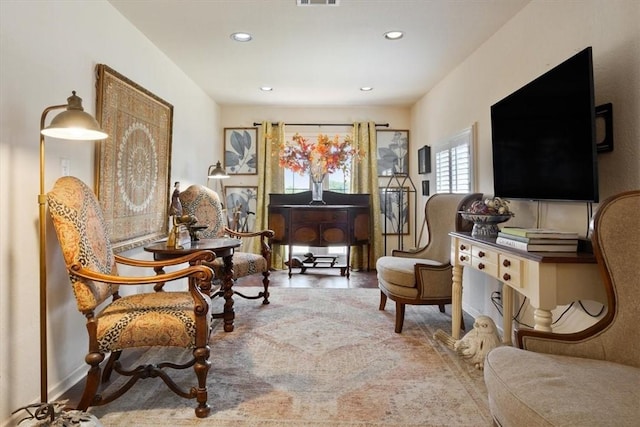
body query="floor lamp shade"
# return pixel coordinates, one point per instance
(72, 124)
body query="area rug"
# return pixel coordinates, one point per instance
(319, 357)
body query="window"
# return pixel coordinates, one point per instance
(454, 163)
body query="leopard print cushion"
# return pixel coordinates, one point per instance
(244, 264)
(84, 239)
(162, 319)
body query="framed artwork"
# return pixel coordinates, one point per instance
(394, 207)
(425, 188)
(133, 163)
(424, 160)
(393, 152)
(241, 204)
(241, 151)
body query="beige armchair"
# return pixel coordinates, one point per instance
(424, 276)
(204, 204)
(589, 378)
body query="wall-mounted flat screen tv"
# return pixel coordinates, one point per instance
(543, 136)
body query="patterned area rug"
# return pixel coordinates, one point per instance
(319, 357)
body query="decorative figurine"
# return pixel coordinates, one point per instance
(475, 345)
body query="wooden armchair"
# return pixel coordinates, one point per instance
(204, 204)
(588, 378)
(177, 319)
(424, 276)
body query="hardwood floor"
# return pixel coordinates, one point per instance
(312, 278)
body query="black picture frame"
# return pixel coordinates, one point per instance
(424, 160)
(425, 188)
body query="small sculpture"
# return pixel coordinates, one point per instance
(475, 345)
(177, 218)
(175, 208)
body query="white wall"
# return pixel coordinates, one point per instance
(50, 48)
(541, 36)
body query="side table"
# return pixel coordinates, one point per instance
(223, 248)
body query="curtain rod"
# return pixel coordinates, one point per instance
(386, 125)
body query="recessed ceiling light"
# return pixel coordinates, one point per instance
(266, 88)
(241, 37)
(366, 88)
(393, 35)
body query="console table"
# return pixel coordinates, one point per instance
(548, 279)
(342, 221)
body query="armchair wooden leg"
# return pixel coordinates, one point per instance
(383, 300)
(399, 316)
(441, 307)
(108, 368)
(201, 367)
(93, 380)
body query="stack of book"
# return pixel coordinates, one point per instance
(538, 239)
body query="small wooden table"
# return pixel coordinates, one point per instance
(223, 248)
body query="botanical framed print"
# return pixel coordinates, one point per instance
(393, 152)
(241, 151)
(394, 209)
(133, 163)
(241, 204)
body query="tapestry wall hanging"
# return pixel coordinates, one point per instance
(133, 163)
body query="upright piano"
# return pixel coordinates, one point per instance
(342, 221)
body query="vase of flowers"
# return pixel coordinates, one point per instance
(318, 158)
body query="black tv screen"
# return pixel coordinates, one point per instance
(543, 136)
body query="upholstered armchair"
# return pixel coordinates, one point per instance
(204, 204)
(424, 275)
(176, 319)
(588, 378)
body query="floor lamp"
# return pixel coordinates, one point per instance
(216, 172)
(73, 124)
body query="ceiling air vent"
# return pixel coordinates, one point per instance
(318, 2)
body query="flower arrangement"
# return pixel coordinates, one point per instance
(326, 155)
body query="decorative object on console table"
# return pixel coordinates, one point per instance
(241, 151)
(393, 152)
(565, 239)
(543, 233)
(139, 125)
(486, 215)
(324, 156)
(538, 240)
(551, 246)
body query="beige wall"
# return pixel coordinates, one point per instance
(396, 117)
(541, 36)
(50, 48)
